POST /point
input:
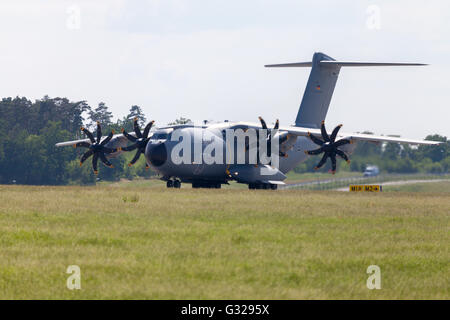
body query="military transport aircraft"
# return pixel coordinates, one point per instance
(292, 144)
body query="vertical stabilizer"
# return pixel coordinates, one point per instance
(320, 87)
(319, 90)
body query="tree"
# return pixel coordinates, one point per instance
(136, 112)
(435, 153)
(180, 120)
(391, 151)
(366, 148)
(29, 131)
(100, 114)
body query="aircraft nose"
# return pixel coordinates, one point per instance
(157, 154)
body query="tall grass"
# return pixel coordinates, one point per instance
(221, 244)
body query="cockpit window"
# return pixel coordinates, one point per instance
(160, 136)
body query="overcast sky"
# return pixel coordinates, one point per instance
(204, 59)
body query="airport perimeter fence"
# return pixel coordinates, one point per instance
(340, 183)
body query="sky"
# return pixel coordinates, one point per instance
(204, 60)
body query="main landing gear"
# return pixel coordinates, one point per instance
(173, 184)
(266, 186)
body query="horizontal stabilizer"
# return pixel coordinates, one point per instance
(344, 64)
(321, 83)
(289, 65)
(368, 64)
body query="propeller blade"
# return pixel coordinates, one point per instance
(342, 155)
(128, 136)
(136, 128)
(322, 161)
(315, 139)
(342, 142)
(99, 132)
(147, 129)
(81, 144)
(104, 160)
(333, 162)
(89, 134)
(108, 138)
(86, 155)
(135, 158)
(314, 152)
(325, 136)
(109, 150)
(335, 132)
(283, 139)
(277, 125)
(263, 123)
(94, 163)
(130, 148)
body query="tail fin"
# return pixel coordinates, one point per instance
(320, 87)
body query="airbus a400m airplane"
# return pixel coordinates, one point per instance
(286, 146)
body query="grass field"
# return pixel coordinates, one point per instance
(443, 186)
(136, 242)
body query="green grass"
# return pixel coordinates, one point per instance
(152, 243)
(293, 177)
(443, 186)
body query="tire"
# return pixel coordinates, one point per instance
(251, 186)
(177, 184)
(273, 187)
(169, 184)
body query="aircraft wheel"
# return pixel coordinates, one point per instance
(251, 186)
(177, 184)
(258, 186)
(265, 186)
(169, 184)
(273, 187)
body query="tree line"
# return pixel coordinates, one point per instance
(392, 158)
(30, 129)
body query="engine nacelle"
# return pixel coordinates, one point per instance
(116, 143)
(287, 141)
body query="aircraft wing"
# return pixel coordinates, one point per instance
(115, 137)
(300, 131)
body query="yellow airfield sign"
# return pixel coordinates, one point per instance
(369, 188)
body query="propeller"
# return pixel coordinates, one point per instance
(96, 148)
(329, 147)
(282, 139)
(140, 141)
